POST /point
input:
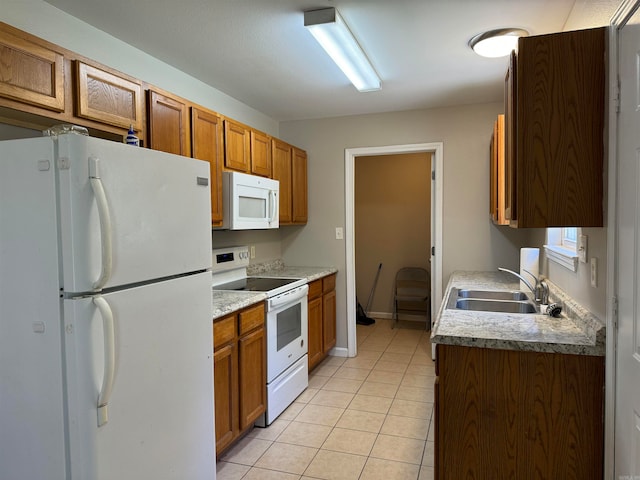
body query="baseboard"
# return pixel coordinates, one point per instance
(389, 316)
(339, 352)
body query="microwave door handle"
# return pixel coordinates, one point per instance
(273, 205)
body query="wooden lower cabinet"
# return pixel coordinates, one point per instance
(225, 366)
(322, 319)
(239, 372)
(522, 415)
(252, 378)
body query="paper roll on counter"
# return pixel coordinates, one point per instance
(529, 261)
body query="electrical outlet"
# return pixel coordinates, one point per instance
(339, 233)
(582, 248)
(252, 251)
(594, 272)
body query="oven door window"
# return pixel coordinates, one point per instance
(289, 326)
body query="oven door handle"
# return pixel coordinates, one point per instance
(288, 297)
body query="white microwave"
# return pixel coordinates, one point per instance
(249, 202)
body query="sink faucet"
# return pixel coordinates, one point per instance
(540, 290)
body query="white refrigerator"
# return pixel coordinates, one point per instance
(105, 312)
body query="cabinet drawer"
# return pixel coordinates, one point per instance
(315, 289)
(251, 318)
(224, 331)
(329, 283)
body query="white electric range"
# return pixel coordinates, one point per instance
(286, 325)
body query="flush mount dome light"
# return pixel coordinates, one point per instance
(497, 43)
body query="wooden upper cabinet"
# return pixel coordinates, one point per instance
(107, 97)
(557, 131)
(281, 171)
(31, 72)
(497, 168)
(168, 124)
(260, 153)
(299, 188)
(207, 144)
(290, 169)
(237, 146)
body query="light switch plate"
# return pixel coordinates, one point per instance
(339, 233)
(582, 248)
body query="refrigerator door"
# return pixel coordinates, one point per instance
(159, 418)
(143, 213)
(32, 433)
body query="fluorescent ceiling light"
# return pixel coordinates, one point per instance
(497, 43)
(329, 29)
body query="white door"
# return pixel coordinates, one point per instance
(627, 415)
(160, 412)
(159, 211)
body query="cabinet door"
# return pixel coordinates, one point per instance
(168, 124)
(510, 124)
(314, 332)
(281, 171)
(497, 202)
(560, 129)
(237, 146)
(299, 186)
(436, 426)
(253, 377)
(107, 98)
(30, 72)
(206, 144)
(260, 154)
(328, 321)
(225, 376)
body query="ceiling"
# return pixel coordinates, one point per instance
(259, 52)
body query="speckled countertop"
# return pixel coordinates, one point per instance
(228, 301)
(576, 331)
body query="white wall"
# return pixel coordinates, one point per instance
(51, 24)
(471, 242)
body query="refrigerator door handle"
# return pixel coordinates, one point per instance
(105, 223)
(109, 358)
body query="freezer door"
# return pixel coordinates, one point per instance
(159, 418)
(157, 209)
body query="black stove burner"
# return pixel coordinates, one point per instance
(256, 284)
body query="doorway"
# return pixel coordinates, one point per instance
(436, 149)
(392, 215)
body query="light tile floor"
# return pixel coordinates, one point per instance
(363, 418)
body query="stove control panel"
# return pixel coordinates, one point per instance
(229, 258)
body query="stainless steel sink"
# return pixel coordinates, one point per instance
(501, 306)
(500, 301)
(492, 294)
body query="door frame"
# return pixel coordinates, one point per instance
(621, 16)
(350, 154)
